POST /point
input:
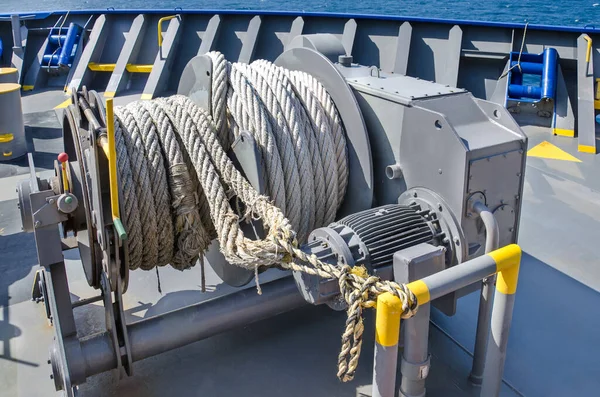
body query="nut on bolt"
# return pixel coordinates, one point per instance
(37, 224)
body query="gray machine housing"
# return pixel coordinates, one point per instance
(426, 137)
(432, 146)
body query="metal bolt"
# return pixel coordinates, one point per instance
(510, 229)
(37, 224)
(440, 208)
(415, 194)
(456, 241)
(446, 240)
(51, 201)
(440, 171)
(519, 174)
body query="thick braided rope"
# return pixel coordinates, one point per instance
(219, 97)
(146, 205)
(184, 214)
(285, 95)
(306, 136)
(293, 208)
(337, 129)
(158, 181)
(128, 201)
(322, 135)
(250, 115)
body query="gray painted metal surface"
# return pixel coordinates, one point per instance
(419, 261)
(556, 185)
(82, 75)
(159, 76)
(128, 55)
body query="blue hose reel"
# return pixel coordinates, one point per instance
(61, 48)
(532, 78)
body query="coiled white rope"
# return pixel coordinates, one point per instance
(176, 179)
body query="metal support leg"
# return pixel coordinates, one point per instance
(415, 357)
(497, 343)
(487, 290)
(412, 264)
(387, 334)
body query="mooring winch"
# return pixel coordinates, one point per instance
(359, 166)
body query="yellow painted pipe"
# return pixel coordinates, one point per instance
(131, 68)
(101, 67)
(387, 319)
(160, 22)
(589, 48)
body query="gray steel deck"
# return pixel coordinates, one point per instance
(554, 346)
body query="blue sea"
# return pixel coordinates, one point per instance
(546, 12)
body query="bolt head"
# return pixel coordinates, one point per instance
(51, 201)
(37, 224)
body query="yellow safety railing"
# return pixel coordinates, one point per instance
(504, 262)
(160, 22)
(588, 54)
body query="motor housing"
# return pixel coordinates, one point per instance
(368, 238)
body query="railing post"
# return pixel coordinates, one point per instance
(507, 263)
(387, 334)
